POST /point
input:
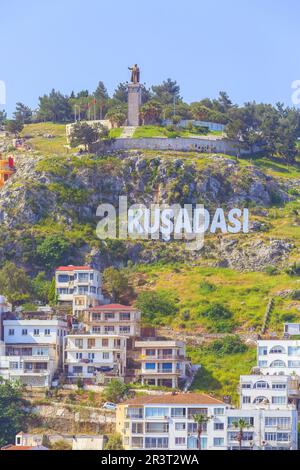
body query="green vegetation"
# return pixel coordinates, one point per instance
(114, 442)
(13, 416)
(115, 283)
(157, 305)
(116, 391)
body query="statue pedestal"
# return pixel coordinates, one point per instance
(134, 103)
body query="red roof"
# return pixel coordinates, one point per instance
(74, 268)
(13, 447)
(111, 307)
(174, 399)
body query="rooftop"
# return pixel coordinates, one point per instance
(111, 307)
(174, 399)
(74, 268)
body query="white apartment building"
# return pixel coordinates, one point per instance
(32, 350)
(80, 286)
(165, 422)
(113, 319)
(278, 357)
(271, 392)
(163, 362)
(292, 329)
(267, 429)
(93, 356)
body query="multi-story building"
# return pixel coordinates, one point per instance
(264, 429)
(80, 286)
(162, 362)
(278, 357)
(268, 391)
(113, 319)
(292, 329)
(93, 356)
(167, 422)
(32, 350)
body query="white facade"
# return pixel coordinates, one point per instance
(32, 351)
(267, 391)
(278, 357)
(267, 429)
(163, 362)
(170, 425)
(78, 285)
(88, 356)
(113, 319)
(292, 329)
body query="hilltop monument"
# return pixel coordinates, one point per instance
(134, 97)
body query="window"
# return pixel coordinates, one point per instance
(78, 355)
(270, 436)
(234, 419)
(124, 329)
(156, 412)
(150, 352)
(157, 428)
(63, 278)
(279, 364)
(180, 426)
(179, 441)
(294, 350)
(192, 428)
(83, 290)
(47, 332)
(13, 365)
(178, 412)
(279, 386)
(135, 413)
(262, 363)
(218, 426)
(294, 363)
(282, 423)
(105, 343)
(11, 332)
(79, 343)
(261, 385)
(90, 369)
(218, 441)
(246, 385)
(247, 436)
(24, 332)
(83, 277)
(91, 356)
(283, 437)
(105, 355)
(96, 316)
(96, 329)
(262, 351)
(279, 400)
(124, 316)
(36, 332)
(93, 290)
(246, 400)
(156, 443)
(109, 329)
(137, 428)
(277, 350)
(150, 366)
(261, 400)
(77, 369)
(219, 411)
(109, 316)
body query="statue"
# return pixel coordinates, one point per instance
(135, 74)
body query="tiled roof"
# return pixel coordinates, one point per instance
(74, 268)
(174, 399)
(111, 307)
(13, 447)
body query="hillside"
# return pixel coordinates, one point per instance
(55, 194)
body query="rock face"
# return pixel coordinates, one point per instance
(68, 190)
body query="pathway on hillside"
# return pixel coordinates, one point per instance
(128, 132)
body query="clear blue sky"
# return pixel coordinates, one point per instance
(250, 48)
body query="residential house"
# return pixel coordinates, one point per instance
(163, 422)
(93, 356)
(78, 286)
(113, 319)
(162, 362)
(32, 351)
(278, 357)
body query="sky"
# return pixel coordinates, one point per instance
(249, 48)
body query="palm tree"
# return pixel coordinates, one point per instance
(201, 421)
(241, 425)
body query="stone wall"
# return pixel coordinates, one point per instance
(177, 144)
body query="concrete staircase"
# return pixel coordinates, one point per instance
(128, 132)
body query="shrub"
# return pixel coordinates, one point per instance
(227, 345)
(116, 391)
(156, 304)
(271, 270)
(206, 287)
(217, 312)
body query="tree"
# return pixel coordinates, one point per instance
(166, 92)
(225, 102)
(41, 287)
(114, 442)
(13, 126)
(115, 282)
(116, 391)
(52, 250)
(3, 116)
(121, 93)
(155, 305)
(13, 416)
(201, 421)
(102, 97)
(55, 107)
(23, 113)
(15, 285)
(116, 115)
(241, 425)
(86, 134)
(151, 112)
